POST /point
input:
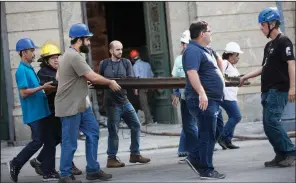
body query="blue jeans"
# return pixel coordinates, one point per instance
(234, 117)
(130, 117)
(273, 103)
(182, 143)
(87, 123)
(220, 125)
(189, 133)
(207, 121)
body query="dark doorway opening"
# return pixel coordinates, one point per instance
(122, 21)
(125, 22)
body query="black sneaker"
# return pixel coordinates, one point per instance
(222, 143)
(98, 175)
(13, 171)
(75, 170)
(212, 175)
(182, 154)
(36, 166)
(192, 165)
(53, 176)
(275, 161)
(72, 177)
(68, 180)
(231, 146)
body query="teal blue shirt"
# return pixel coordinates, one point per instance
(34, 107)
(178, 72)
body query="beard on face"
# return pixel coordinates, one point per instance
(32, 59)
(84, 49)
(118, 56)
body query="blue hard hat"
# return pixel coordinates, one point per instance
(24, 44)
(269, 15)
(79, 30)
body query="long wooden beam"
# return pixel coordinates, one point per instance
(158, 83)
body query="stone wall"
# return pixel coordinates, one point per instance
(39, 21)
(35, 20)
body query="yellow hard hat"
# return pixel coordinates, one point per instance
(50, 49)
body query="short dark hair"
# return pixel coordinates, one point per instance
(73, 41)
(196, 28)
(225, 56)
(21, 52)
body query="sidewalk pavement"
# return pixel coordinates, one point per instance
(148, 142)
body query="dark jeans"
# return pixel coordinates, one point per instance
(189, 134)
(53, 130)
(207, 121)
(234, 117)
(130, 117)
(273, 103)
(40, 136)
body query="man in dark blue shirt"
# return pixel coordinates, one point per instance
(203, 93)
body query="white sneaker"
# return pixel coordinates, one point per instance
(182, 161)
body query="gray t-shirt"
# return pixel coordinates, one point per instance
(116, 69)
(72, 92)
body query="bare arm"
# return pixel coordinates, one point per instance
(30, 91)
(220, 64)
(249, 75)
(196, 84)
(195, 81)
(253, 74)
(291, 70)
(97, 79)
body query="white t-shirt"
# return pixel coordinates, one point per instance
(230, 93)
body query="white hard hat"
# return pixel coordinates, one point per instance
(233, 47)
(185, 37)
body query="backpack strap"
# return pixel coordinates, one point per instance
(125, 64)
(104, 65)
(227, 66)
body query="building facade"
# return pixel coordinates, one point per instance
(152, 27)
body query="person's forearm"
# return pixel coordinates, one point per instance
(291, 70)
(195, 82)
(101, 80)
(253, 74)
(30, 91)
(220, 65)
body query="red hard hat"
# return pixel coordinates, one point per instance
(134, 53)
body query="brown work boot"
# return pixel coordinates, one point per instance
(98, 175)
(139, 159)
(114, 162)
(68, 180)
